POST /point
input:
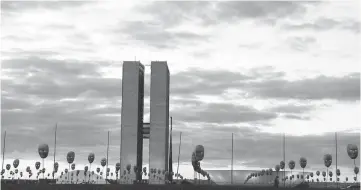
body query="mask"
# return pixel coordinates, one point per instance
(73, 166)
(352, 151)
(43, 150)
(16, 163)
(8, 166)
(117, 167)
(70, 157)
(338, 172)
(328, 160)
(291, 164)
(103, 162)
(303, 162)
(282, 165)
(37, 165)
(199, 152)
(91, 158)
(128, 167)
(356, 170)
(277, 168)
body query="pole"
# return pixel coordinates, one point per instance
(2, 167)
(326, 176)
(106, 170)
(336, 159)
(56, 127)
(170, 177)
(232, 162)
(120, 145)
(180, 143)
(284, 159)
(43, 168)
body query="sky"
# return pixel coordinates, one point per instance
(255, 69)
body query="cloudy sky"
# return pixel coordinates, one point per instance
(256, 69)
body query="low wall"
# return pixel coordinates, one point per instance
(132, 187)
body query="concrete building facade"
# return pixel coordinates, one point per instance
(132, 118)
(159, 118)
(134, 130)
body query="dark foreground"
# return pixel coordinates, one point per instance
(134, 187)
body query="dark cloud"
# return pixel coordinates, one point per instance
(209, 13)
(322, 87)
(196, 81)
(259, 9)
(19, 6)
(174, 13)
(301, 43)
(267, 84)
(293, 111)
(52, 79)
(20, 53)
(154, 34)
(290, 108)
(324, 24)
(221, 113)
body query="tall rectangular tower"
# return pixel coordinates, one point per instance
(159, 118)
(132, 117)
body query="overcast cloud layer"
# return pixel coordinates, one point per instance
(255, 69)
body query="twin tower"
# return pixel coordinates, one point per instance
(133, 130)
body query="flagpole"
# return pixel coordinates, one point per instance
(284, 159)
(106, 176)
(171, 152)
(180, 143)
(336, 159)
(2, 167)
(232, 162)
(120, 144)
(56, 127)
